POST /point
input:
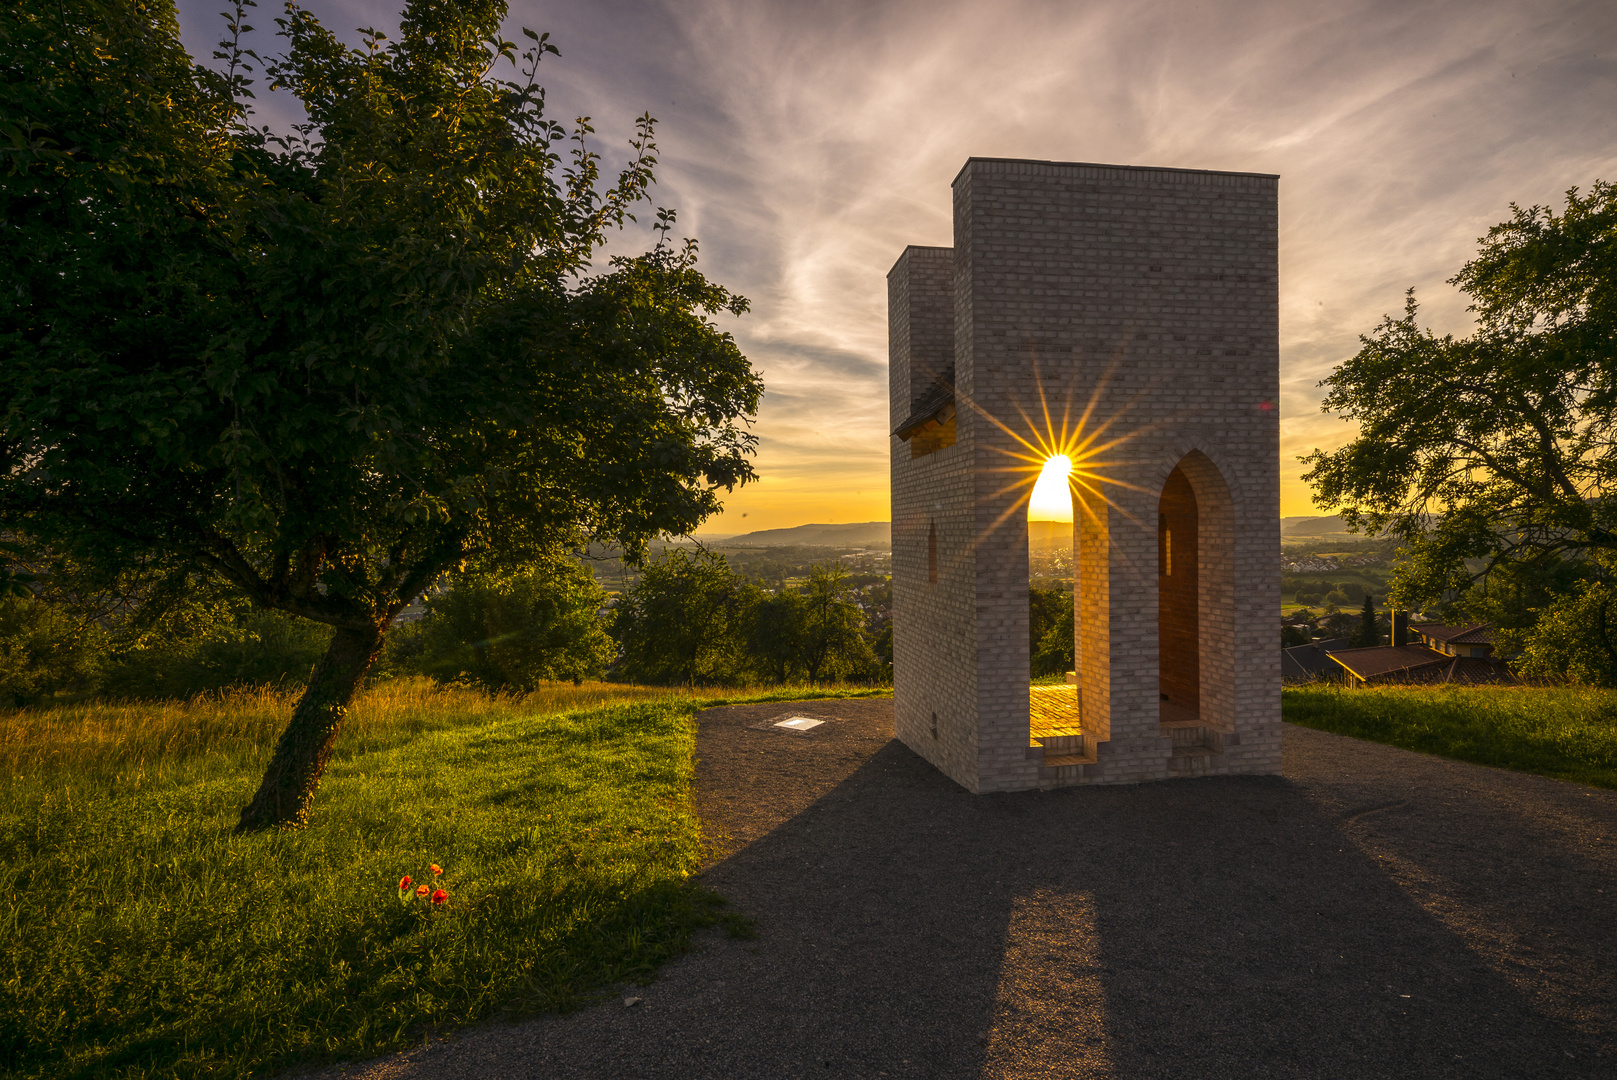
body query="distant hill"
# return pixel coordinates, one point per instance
(874, 534)
(1042, 534)
(1312, 526)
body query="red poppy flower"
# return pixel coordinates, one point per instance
(439, 897)
(404, 882)
(436, 869)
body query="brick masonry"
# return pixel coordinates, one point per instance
(1137, 307)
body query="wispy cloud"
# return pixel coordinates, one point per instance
(806, 143)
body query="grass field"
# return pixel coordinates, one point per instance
(1566, 732)
(144, 938)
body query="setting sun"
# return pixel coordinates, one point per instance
(1051, 500)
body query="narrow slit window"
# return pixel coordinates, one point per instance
(932, 553)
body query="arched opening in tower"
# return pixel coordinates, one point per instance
(1055, 730)
(1178, 600)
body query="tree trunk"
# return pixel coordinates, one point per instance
(305, 746)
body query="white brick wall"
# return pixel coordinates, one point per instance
(1149, 297)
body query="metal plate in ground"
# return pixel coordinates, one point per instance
(793, 724)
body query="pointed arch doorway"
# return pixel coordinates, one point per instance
(1178, 637)
(1195, 610)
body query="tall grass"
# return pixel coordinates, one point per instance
(144, 938)
(1566, 732)
(143, 739)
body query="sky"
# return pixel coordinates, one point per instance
(805, 144)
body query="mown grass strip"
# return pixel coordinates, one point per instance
(1569, 733)
(145, 939)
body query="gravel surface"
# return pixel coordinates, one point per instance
(1371, 913)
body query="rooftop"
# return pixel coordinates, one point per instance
(1386, 659)
(937, 397)
(1470, 634)
(1308, 661)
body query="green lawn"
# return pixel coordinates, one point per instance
(144, 938)
(1566, 732)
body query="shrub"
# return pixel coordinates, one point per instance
(207, 644)
(512, 631)
(44, 649)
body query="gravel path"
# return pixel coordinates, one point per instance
(1372, 913)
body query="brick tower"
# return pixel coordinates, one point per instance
(1138, 305)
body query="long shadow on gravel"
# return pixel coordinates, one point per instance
(1371, 914)
(1218, 927)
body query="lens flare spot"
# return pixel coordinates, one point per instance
(1051, 499)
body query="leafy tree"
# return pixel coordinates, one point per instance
(1050, 631)
(1517, 593)
(774, 627)
(1045, 608)
(1291, 636)
(832, 640)
(515, 630)
(1057, 649)
(1575, 639)
(680, 624)
(1497, 451)
(882, 646)
(1367, 633)
(1337, 624)
(326, 368)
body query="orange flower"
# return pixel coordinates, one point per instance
(404, 882)
(436, 869)
(439, 897)
(422, 891)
